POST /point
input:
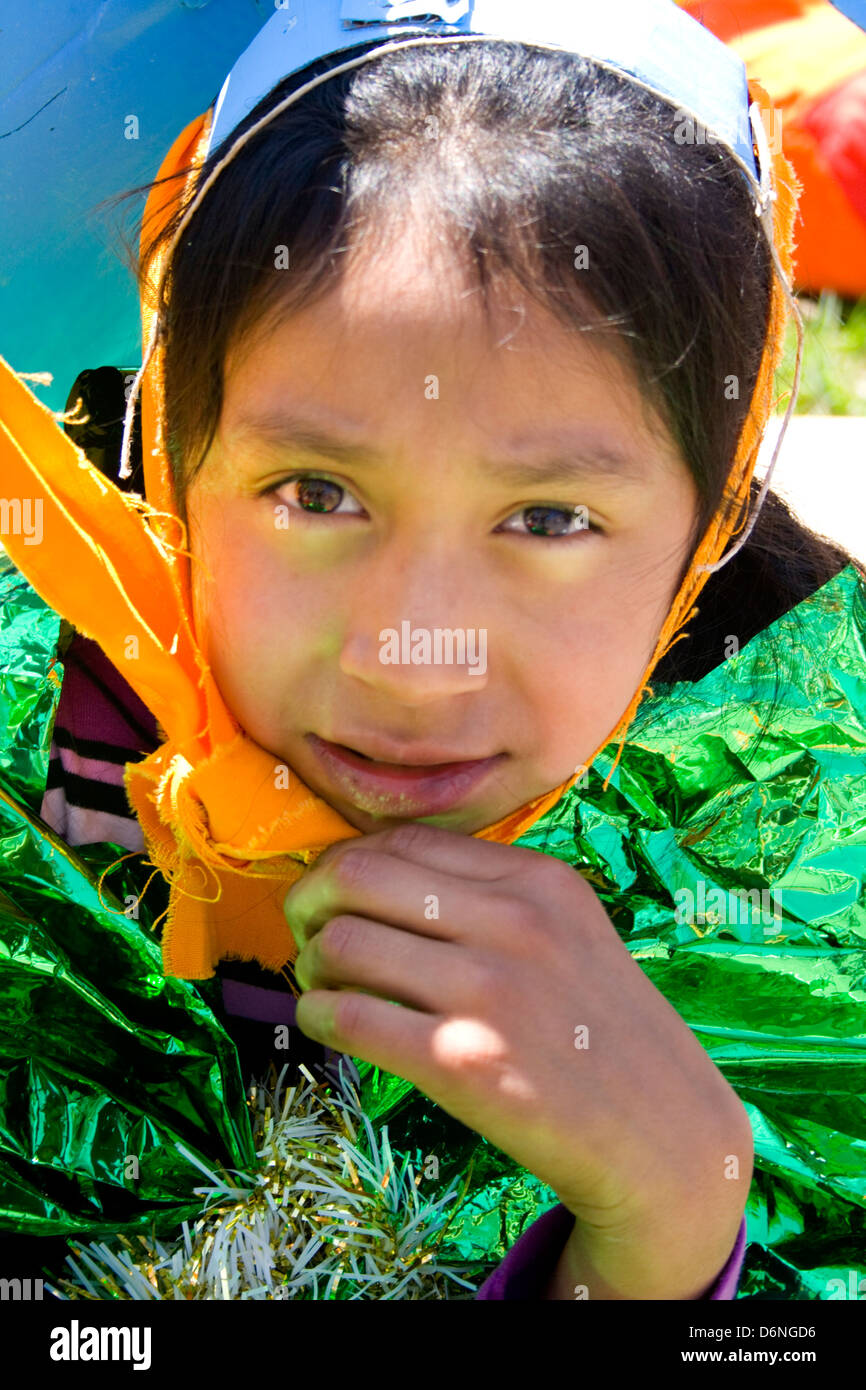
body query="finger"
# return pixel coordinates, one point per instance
(369, 883)
(466, 856)
(354, 952)
(398, 1040)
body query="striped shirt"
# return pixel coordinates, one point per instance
(100, 725)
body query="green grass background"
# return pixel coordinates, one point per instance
(833, 372)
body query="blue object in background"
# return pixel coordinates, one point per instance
(71, 75)
(855, 10)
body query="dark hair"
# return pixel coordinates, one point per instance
(532, 154)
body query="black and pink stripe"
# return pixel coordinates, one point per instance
(100, 725)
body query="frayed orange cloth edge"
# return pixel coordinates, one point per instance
(229, 826)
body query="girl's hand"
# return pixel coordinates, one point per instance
(524, 1016)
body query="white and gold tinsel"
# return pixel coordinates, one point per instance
(323, 1217)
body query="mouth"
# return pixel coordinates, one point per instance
(403, 788)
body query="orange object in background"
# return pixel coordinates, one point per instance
(811, 61)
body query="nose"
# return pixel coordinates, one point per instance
(411, 638)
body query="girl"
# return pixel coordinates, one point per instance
(405, 385)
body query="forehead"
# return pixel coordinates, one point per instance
(405, 323)
(412, 274)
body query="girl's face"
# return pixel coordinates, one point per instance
(444, 460)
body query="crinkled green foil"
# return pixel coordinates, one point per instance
(101, 1057)
(30, 682)
(714, 784)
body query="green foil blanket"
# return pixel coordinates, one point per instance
(729, 850)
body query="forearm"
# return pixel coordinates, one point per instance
(667, 1268)
(680, 1241)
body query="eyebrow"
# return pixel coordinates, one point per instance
(588, 457)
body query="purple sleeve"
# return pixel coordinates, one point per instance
(532, 1259)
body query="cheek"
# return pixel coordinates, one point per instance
(254, 616)
(591, 653)
(584, 681)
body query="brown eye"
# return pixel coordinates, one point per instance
(312, 492)
(550, 522)
(547, 521)
(318, 494)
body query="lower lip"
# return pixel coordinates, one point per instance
(392, 790)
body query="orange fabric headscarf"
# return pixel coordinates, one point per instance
(221, 820)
